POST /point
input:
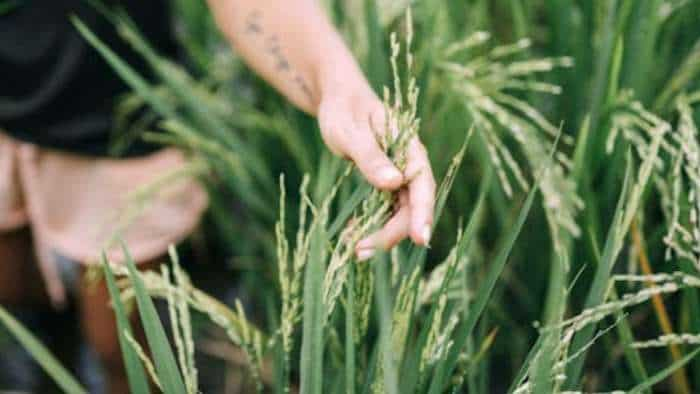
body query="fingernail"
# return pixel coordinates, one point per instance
(364, 244)
(426, 234)
(365, 254)
(389, 174)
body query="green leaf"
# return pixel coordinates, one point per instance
(42, 355)
(377, 58)
(465, 328)
(384, 315)
(126, 72)
(409, 377)
(634, 359)
(664, 373)
(525, 367)
(349, 333)
(601, 76)
(313, 322)
(138, 382)
(163, 357)
(600, 281)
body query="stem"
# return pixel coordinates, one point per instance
(679, 378)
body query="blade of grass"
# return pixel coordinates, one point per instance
(126, 72)
(349, 333)
(42, 355)
(680, 79)
(409, 377)
(664, 373)
(384, 315)
(600, 281)
(377, 58)
(163, 357)
(348, 208)
(138, 382)
(632, 356)
(465, 328)
(524, 368)
(554, 311)
(311, 365)
(627, 207)
(624, 331)
(641, 38)
(613, 25)
(520, 22)
(371, 372)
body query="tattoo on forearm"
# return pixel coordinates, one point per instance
(254, 28)
(273, 47)
(303, 86)
(253, 23)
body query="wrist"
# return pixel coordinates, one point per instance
(341, 76)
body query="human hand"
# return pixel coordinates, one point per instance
(350, 126)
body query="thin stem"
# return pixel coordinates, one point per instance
(679, 378)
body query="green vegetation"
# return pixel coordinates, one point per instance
(566, 256)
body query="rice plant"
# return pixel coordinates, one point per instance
(566, 251)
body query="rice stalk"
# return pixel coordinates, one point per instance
(234, 322)
(681, 189)
(484, 84)
(138, 350)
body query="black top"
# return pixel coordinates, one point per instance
(55, 90)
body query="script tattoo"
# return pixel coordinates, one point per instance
(253, 23)
(271, 44)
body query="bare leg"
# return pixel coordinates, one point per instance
(22, 292)
(100, 329)
(21, 283)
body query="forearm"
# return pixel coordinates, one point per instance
(292, 46)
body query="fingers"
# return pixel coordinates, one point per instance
(354, 134)
(393, 232)
(416, 205)
(363, 149)
(421, 191)
(351, 135)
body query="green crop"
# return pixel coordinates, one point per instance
(566, 253)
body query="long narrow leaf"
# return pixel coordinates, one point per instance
(409, 377)
(465, 328)
(384, 315)
(349, 333)
(313, 330)
(42, 355)
(163, 357)
(138, 382)
(600, 281)
(664, 373)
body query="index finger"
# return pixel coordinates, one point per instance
(371, 160)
